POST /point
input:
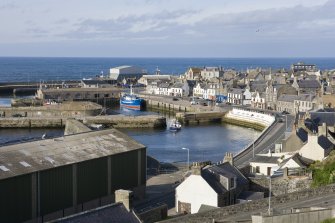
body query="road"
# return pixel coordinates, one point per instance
(265, 143)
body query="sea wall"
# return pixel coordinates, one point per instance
(126, 121)
(250, 119)
(200, 117)
(74, 126)
(32, 122)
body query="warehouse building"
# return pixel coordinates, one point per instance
(53, 178)
(125, 72)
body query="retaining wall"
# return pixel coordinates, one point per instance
(74, 126)
(32, 122)
(124, 121)
(221, 213)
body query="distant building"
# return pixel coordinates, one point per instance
(193, 73)
(316, 148)
(303, 67)
(125, 72)
(211, 72)
(297, 103)
(94, 84)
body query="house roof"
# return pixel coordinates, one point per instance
(212, 179)
(236, 91)
(309, 84)
(301, 161)
(323, 117)
(163, 85)
(325, 143)
(287, 98)
(114, 213)
(302, 134)
(265, 159)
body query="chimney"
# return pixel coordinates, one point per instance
(126, 197)
(229, 158)
(323, 130)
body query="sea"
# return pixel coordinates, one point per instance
(35, 69)
(205, 142)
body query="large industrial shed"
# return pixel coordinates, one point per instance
(66, 175)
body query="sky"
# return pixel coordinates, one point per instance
(167, 28)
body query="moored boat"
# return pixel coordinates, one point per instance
(131, 101)
(175, 126)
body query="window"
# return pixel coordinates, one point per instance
(232, 182)
(257, 169)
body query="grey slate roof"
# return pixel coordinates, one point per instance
(211, 175)
(236, 91)
(323, 117)
(301, 161)
(178, 85)
(309, 84)
(302, 134)
(115, 213)
(265, 159)
(287, 98)
(325, 143)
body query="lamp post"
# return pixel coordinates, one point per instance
(188, 157)
(269, 210)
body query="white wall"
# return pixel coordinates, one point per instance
(251, 116)
(196, 191)
(312, 150)
(263, 168)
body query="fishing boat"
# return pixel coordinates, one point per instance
(131, 101)
(175, 126)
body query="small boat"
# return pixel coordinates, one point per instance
(131, 101)
(175, 126)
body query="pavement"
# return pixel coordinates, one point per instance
(161, 189)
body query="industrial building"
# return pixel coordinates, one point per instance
(125, 72)
(52, 178)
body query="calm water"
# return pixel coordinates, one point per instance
(205, 142)
(37, 69)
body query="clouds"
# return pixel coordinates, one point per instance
(256, 25)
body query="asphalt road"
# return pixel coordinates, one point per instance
(265, 143)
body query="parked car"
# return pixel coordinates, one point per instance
(204, 104)
(175, 99)
(193, 102)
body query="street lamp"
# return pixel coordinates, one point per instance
(188, 157)
(269, 210)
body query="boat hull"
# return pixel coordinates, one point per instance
(132, 104)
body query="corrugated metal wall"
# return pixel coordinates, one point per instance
(15, 199)
(55, 189)
(124, 170)
(92, 179)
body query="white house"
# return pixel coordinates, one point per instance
(316, 148)
(163, 88)
(179, 89)
(187, 199)
(199, 90)
(264, 165)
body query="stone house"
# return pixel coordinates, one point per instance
(297, 103)
(239, 96)
(258, 100)
(193, 73)
(211, 72)
(216, 186)
(307, 87)
(199, 90)
(163, 88)
(179, 89)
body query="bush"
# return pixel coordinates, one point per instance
(329, 221)
(324, 172)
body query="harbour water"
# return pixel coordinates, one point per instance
(28, 69)
(205, 142)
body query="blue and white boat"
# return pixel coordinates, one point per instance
(131, 101)
(175, 126)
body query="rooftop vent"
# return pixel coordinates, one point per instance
(25, 164)
(3, 168)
